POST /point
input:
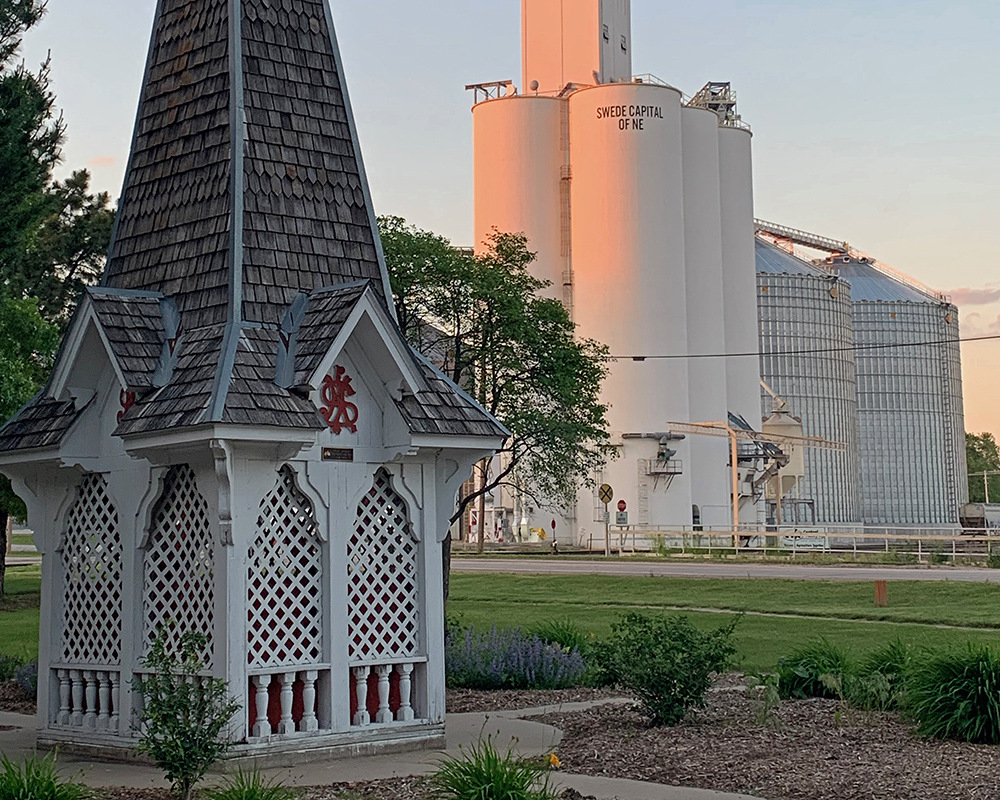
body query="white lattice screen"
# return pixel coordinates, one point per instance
(92, 575)
(178, 585)
(383, 609)
(285, 581)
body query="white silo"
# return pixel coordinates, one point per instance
(711, 491)
(522, 181)
(629, 281)
(739, 271)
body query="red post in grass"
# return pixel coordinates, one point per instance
(881, 594)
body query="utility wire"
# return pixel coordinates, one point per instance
(817, 351)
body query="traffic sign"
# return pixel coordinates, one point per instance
(606, 494)
(621, 519)
(622, 505)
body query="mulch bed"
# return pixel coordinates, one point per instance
(13, 700)
(808, 750)
(461, 701)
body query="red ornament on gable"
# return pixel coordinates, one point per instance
(339, 414)
(127, 400)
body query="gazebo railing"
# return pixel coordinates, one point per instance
(89, 697)
(383, 693)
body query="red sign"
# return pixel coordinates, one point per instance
(622, 506)
(553, 524)
(339, 414)
(126, 400)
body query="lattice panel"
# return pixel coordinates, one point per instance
(285, 581)
(383, 608)
(178, 585)
(92, 575)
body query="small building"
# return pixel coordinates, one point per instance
(236, 438)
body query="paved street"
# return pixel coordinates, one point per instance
(533, 566)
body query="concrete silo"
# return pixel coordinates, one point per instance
(522, 180)
(711, 492)
(911, 427)
(639, 205)
(807, 359)
(627, 204)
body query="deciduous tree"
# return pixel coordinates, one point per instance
(983, 455)
(483, 321)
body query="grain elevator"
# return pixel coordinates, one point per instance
(638, 201)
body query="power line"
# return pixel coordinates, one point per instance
(817, 351)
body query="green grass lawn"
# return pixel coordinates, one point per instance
(19, 612)
(23, 538)
(596, 601)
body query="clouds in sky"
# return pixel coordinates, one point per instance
(976, 296)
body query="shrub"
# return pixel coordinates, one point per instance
(565, 633)
(8, 666)
(483, 773)
(814, 670)
(956, 695)
(508, 658)
(26, 677)
(250, 785)
(36, 779)
(880, 682)
(667, 662)
(183, 713)
(601, 669)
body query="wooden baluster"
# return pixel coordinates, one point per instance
(116, 698)
(287, 725)
(103, 701)
(309, 723)
(384, 714)
(362, 717)
(64, 690)
(76, 715)
(405, 712)
(90, 715)
(262, 727)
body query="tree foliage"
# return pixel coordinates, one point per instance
(983, 455)
(482, 320)
(184, 713)
(53, 236)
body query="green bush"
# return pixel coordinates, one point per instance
(184, 712)
(667, 662)
(484, 773)
(565, 633)
(880, 682)
(956, 695)
(250, 786)
(36, 779)
(814, 670)
(8, 666)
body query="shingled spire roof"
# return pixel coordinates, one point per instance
(233, 234)
(245, 236)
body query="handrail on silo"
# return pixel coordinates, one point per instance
(824, 244)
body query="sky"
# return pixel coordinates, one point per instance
(875, 121)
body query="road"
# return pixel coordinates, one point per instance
(803, 572)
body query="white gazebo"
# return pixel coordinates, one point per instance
(236, 439)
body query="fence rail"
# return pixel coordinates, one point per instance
(924, 545)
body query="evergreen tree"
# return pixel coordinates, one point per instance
(53, 236)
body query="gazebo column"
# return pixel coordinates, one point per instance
(432, 689)
(134, 492)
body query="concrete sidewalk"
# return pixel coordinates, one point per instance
(17, 740)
